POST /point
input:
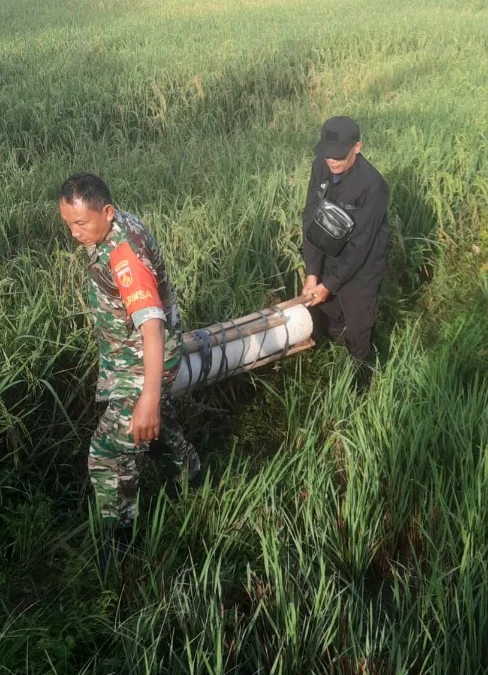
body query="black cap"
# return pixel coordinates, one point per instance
(338, 136)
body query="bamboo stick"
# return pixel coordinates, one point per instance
(299, 347)
(300, 300)
(243, 327)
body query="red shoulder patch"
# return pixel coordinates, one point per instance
(138, 286)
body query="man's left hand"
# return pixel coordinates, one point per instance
(146, 419)
(319, 294)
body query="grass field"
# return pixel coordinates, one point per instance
(331, 533)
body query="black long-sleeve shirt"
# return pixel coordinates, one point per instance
(360, 267)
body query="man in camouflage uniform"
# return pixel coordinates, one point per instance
(138, 328)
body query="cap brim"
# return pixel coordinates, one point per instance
(332, 151)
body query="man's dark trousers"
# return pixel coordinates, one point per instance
(347, 317)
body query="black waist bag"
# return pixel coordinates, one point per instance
(331, 227)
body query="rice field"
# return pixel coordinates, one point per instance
(331, 533)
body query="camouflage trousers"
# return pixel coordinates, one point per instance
(112, 458)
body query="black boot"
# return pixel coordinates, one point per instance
(123, 541)
(117, 542)
(362, 377)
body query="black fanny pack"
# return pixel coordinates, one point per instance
(331, 227)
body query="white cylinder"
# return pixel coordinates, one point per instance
(245, 351)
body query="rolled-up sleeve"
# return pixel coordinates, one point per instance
(143, 315)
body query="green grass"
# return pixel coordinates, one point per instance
(331, 533)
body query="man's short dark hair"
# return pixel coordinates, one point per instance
(87, 187)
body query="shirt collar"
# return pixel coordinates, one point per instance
(346, 176)
(93, 252)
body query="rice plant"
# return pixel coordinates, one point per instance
(332, 533)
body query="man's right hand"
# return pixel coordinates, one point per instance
(145, 423)
(311, 282)
(320, 294)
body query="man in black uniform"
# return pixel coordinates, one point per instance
(346, 287)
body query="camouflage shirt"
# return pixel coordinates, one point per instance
(128, 285)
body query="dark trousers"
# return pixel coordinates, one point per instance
(350, 318)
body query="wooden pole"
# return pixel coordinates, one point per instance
(299, 347)
(254, 323)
